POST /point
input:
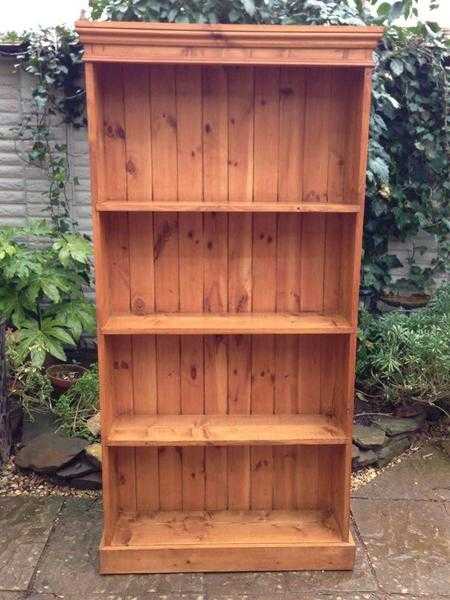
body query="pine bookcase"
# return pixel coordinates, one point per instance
(228, 171)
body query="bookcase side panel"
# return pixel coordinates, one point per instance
(94, 104)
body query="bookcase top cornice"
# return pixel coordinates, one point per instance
(175, 43)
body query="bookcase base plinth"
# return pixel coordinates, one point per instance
(226, 541)
(308, 557)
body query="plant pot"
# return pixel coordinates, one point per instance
(408, 302)
(63, 376)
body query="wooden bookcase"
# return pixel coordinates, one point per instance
(228, 171)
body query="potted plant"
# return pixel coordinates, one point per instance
(64, 375)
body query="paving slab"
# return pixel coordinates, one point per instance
(407, 544)
(360, 579)
(264, 585)
(108, 596)
(25, 525)
(69, 567)
(409, 597)
(337, 596)
(424, 475)
(13, 596)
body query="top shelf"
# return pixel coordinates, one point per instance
(194, 43)
(228, 207)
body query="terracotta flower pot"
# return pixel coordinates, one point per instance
(410, 301)
(63, 376)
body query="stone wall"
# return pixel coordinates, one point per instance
(21, 186)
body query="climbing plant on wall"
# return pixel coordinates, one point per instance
(407, 187)
(53, 58)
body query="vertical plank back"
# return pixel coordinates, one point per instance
(166, 268)
(215, 268)
(266, 149)
(190, 188)
(240, 181)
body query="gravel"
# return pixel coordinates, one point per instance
(16, 483)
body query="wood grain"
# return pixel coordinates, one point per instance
(227, 227)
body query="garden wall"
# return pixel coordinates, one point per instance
(22, 187)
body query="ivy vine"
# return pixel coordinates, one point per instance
(52, 57)
(407, 184)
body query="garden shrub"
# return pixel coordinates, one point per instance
(405, 357)
(27, 382)
(42, 278)
(78, 404)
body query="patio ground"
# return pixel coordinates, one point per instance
(401, 521)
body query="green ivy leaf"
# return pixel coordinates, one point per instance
(249, 7)
(396, 67)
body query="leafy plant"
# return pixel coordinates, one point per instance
(405, 358)
(42, 275)
(27, 382)
(78, 404)
(407, 180)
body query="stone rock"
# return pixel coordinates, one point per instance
(49, 452)
(393, 448)
(367, 437)
(410, 410)
(355, 451)
(445, 445)
(93, 424)
(92, 481)
(37, 424)
(79, 468)
(15, 418)
(93, 453)
(364, 458)
(396, 426)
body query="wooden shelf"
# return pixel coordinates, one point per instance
(205, 540)
(226, 324)
(264, 207)
(223, 430)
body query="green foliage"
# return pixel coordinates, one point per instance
(53, 57)
(10, 37)
(407, 183)
(178, 11)
(42, 275)
(404, 358)
(349, 12)
(27, 382)
(407, 179)
(78, 404)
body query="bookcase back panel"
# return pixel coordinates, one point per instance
(234, 478)
(214, 262)
(220, 134)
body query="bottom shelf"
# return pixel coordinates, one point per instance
(165, 542)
